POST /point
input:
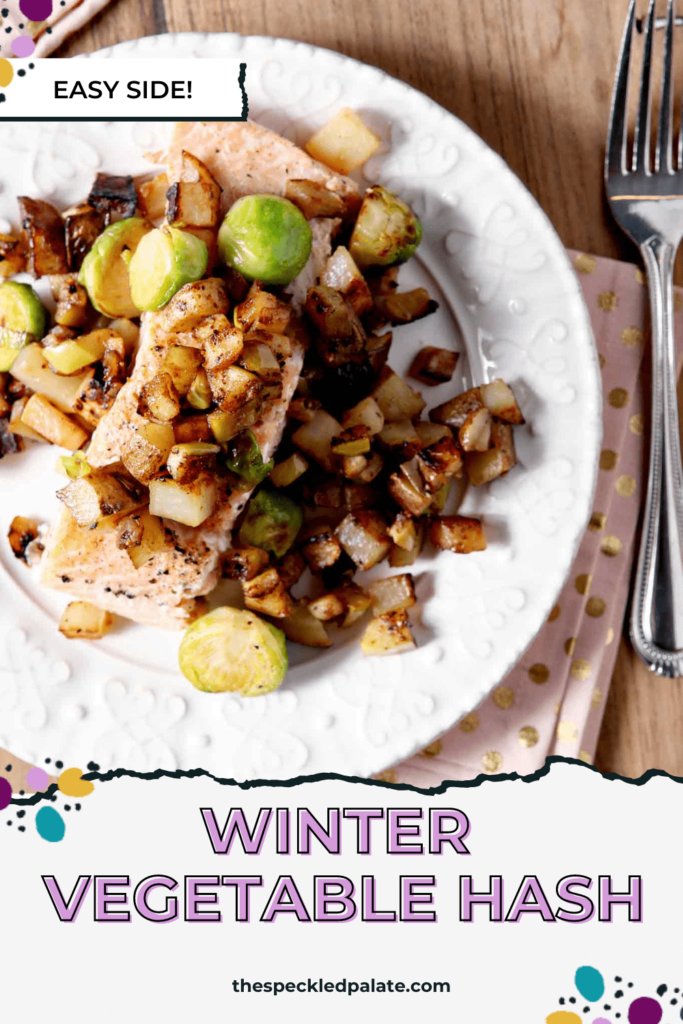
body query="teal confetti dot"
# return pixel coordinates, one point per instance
(50, 825)
(590, 983)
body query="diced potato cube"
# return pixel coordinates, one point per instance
(266, 593)
(363, 536)
(433, 365)
(328, 494)
(354, 465)
(193, 428)
(192, 303)
(455, 411)
(303, 409)
(367, 414)
(225, 424)
(182, 363)
(339, 335)
(430, 433)
(194, 204)
(154, 539)
(320, 547)
(326, 607)
(377, 349)
(344, 143)
(403, 531)
(245, 563)
(222, 343)
(341, 273)
(286, 472)
(462, 534)
(232, 387)
(17, 425)
(194, 169)
(395, 593)
(405, 307)
(31, 368)
(302, 627)
(22, 532)
(408, 495)
(152, 197)
(314, 199)
(438, 463)
(401, 437)
(315, 438)
(356, 603)
(399, 558)
(500, 402)
(396, 399)
(291, 568)
(159, 399)
(147, 449)
(98, 496)
(51, 423)
(262, 311)
(83, 621)
(388, 634)
(186, 461)
(128, 332)
(475, 433)
(373, 468)
(190, 503)
(482, 467)
(357, 495)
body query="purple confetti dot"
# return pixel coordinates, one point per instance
(23, 46)
(601, 1020)
(644, 1011)
(37, 779)
(5, 794)
(36, 10)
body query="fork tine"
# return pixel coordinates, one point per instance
(617, 133)
(641, 145)
(664, 150)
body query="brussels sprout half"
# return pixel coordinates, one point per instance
(104, 273)
(271, 523)
(386, 230)
(23, 319)
(165, 260)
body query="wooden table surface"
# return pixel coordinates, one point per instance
(533, 79)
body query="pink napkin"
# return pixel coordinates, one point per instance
(37, 27)
(553, 701)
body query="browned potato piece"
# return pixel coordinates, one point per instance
(438, 463)
(356, 603)
(320, 547)
(51, 423)
(340, 337)
(341, 273)
(315, 438)
(344, 143)
(154, 539)
(232, 387)
(358, 495)
(217, 338)
(83, 621)
(326, 494)
(147, 449)
(245, 563)
(262, 311)
(303, 628)
(192, 428)
(396, 399)
(326, 607)
(194, 204)
(388, 634)
(192, 304)
(482, 467)
(291, 568)
(405, 307)
(430, 433)
(401, 438)
(22, 532)
(152, 197)
(455, 411)
(16, 425)
(72, 300)
(92, 498)
(225, 423)
(44, 233)
(366, 414)
(408, 493)
(354, 465)
(114, 193)
(462, 534)
(159, 400)
(475, 433)
(187, 461)
(303, 409)
(399, 558)
(82, 225)
(433, 365)
(314, 199)
(182, 363)
(500, 402)
(261, 360)
(403, 531)
(286, 472)
(189, 503)
(373, 469)
(395, 593)
(266, 593)
(363, 536)
(12, 259)
(377, 350)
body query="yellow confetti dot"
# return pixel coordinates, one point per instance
(492, 761)
(625, 486)
(567, 732)
(528, 736)
(539, 673)
(678, 302)
(563, 1017)
(607, 301)
(6, 72)
(636, 424)
(72, 783)
(598, 521)
(504, 697)
(581, 669)
(388, 776)
(608, 459)
(610, 637)
(602, 361)
(555, 614)
(632, 337)
(596, 699)
(570, 646)
(470, 723)
(585, 756)
(640, 276)
(611, 545)
(585, 264)
(433, 750)
(595, 607)
(583, 582)
(618, 398)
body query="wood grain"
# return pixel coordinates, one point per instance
(534, 80)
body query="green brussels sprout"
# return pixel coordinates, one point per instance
(23, 319)
(386, 230)
(266, 238)
(233, 651)
(245, 459)
(271, 523)
(104, 273)
(165, 260)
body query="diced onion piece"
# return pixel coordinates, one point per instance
(190, 503)
(373, 468)
(388, 634)
(500, 401)
(128, 332)
(314, 199)
(475, 433)
(405, 307)
(83, 621)
(461, 534)
(232, 387)
(262, 311)
(51, 423)
(302, 627)
(354, 441)
(266, 593)
(286, 472)
(395, 593)
(291, 568)
(222, 343)
(396, 399)
(363, 536)
(354, 465)
(22, 533)
(199, 396)
(344, 143)
(326, 607)
(315, 438)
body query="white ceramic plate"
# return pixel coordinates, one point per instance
(509, 302)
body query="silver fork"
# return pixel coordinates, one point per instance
(646, 199)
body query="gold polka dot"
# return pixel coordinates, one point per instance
(632, 337)
(555, 614)
(636, 424)
(678, 302)
(539, 673)
(433, 750)
(583, 582)
(611, 545)
(640, 276)
(388, 776)
(528, 736)
(585, 756)
(610, 637)
(581, 669)
(6, 72)
(618, 398)
(585, 264)
(602, 361)
(470, 723)
(607, 301)
(570, 646)
(626, 486)
(595, 607)
(503, 697)
(597, 523)
(567, 732)
(596, 699)
(608, 459)
(492, 761)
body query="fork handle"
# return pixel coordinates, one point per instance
(657, 609)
